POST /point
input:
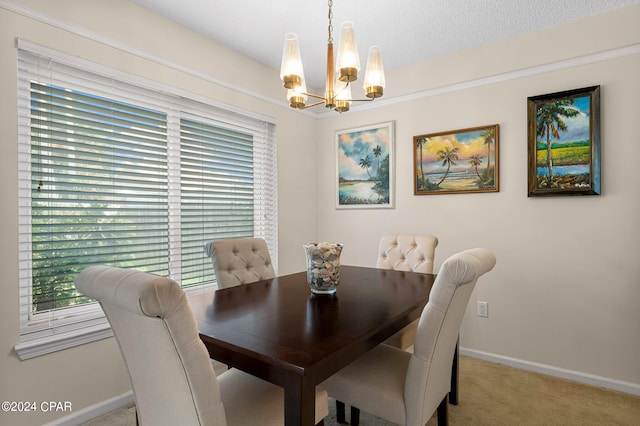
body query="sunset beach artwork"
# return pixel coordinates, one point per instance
(456, 161)
(365, 167)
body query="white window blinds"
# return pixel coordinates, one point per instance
(114, 171)
(99, 190)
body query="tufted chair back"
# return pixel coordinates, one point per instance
(407, 253)
(240, 261)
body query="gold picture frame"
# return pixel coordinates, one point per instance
(457, 161)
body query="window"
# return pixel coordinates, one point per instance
(114, 171)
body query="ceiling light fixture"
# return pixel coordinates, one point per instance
(338, 91)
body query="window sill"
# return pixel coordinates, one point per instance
(40, 339)
(34, 347)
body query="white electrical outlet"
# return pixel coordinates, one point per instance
(483, 309)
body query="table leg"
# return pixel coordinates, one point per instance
(299, 402)
(455, 372)
(340, 412)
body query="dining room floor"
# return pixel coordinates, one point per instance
(495, 395)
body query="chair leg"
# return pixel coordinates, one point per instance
(341, 414)
(355, 416)
(443, 412)
(455, 376)
(340, 410)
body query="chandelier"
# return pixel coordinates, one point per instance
(337, 94)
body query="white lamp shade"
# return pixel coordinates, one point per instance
(374, 75)
(343, 96)
(291, 61)
(347, 48)
(343, 91)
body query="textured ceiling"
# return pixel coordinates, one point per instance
(408, 31)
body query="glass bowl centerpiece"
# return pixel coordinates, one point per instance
(323, 266)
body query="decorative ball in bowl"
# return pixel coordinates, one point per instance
(323, 266)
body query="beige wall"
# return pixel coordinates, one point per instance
(565, 291)
(564, 296)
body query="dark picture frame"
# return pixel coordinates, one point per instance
(457, 161)
(564, 143)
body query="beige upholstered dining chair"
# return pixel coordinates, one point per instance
(169, 368)
(240, 261)
(407, 388)
(406, 253)
(400, 252)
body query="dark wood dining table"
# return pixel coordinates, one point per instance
(277, 330)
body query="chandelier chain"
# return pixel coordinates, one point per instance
(330, 19)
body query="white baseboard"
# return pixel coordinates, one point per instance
(95, 410)
(126, 399)
(576, 376)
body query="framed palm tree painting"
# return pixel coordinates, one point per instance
(456, 161)
(365, 167)
(564, 143)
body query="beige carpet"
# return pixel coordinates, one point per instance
(497, 395)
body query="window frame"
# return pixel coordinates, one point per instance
(62, 328)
